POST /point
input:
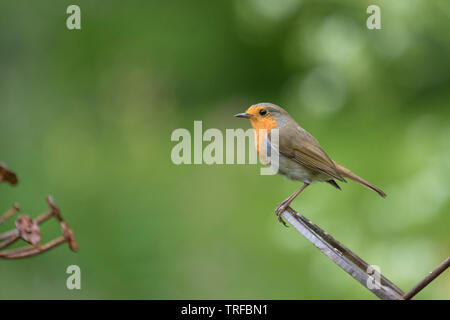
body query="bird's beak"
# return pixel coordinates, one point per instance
(243, 115)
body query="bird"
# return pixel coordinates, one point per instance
(301, 158)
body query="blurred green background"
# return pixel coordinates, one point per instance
(87, 116)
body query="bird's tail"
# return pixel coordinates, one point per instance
(348, 174)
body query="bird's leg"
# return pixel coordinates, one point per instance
(286, 203)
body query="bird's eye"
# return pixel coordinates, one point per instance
(263, 112)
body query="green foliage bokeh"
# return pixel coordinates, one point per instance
(87, 116)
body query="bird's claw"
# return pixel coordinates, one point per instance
(279, 211)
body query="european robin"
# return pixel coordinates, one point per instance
(301, 157)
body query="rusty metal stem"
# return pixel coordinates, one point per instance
(32, 251)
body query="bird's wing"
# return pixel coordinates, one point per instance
(300, 146)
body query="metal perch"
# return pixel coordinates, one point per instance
(354, 265)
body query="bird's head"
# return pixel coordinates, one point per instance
(265, 116)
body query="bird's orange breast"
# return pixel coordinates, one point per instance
(262, 127)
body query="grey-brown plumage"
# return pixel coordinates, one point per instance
(300, 155)
(300, 146)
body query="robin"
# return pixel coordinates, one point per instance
(301, 158)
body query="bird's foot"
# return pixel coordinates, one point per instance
(280, 209)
